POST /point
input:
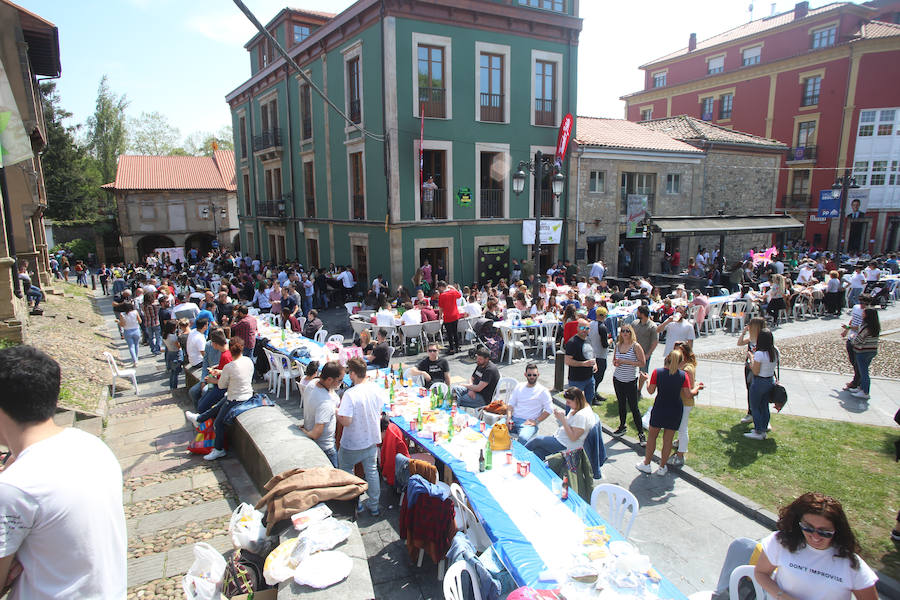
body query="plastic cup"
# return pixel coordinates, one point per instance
(557, 487)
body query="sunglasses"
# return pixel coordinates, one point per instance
(531, 374)
(824, 533)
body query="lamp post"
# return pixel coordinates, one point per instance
(537, 167)
(212, 209)
(842, 185)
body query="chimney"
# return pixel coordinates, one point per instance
(692, 42)
(801, 9)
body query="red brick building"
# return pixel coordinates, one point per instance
(803, 78)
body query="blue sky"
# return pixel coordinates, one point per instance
(180, 57)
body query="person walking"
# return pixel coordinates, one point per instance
(865, 346)
(580, 360)
(689, 366)
(672, 387)
(360, 415)
(449, 313)
(748, 338)
(762, 365)
(130, 322)
(598, 337)
(645, 333)
(627, 358)
(849, 332)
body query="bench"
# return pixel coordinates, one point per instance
(267, 441)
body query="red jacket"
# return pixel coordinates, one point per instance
(392, 444)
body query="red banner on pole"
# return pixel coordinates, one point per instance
(421, 144)
(562, 140)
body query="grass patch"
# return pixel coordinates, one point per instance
(4, 343)
(854, 463)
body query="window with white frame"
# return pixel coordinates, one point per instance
(706, 109)
(659, 79)
(751, 56)
(492, 91)
(726, 102)
(895, 173)
(546, 87)
(673, 183)
(887, 115)
(554, 5)
(715, 65)
(306, 129)
(860, 172)
(825, 37)
(597, 182)
(432, 76)
(647, 114)
(811, 88)
(354, 105)
(879, 172)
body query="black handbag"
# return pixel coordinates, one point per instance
(778, 395)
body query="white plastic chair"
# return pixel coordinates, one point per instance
(286, 372)
(350, 306)
(440, 385)
(735, 312)
(714, 318)
(321, 336)
(505, 386)
(510, 344)
(431, 331)
(453, 581)
(416, 379)
(410, 332)
(336, 338)
(473, 527)
(272, 373)
(270, 318)
(513, 313)
(123, 373)
(734, 581)
(620, 502)
(358, 326)
(547, 338)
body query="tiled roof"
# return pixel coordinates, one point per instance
(175, 172)
(879, 29)
(622, 134)
(753, 27)
(314, 13)
(687, 128)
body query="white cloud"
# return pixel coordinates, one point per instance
(222, 27)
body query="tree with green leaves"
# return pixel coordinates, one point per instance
(107, 131)
(71, 175)
(152, 134)
(203, 143)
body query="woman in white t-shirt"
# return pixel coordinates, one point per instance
(762, 365)
(815, 553)
(130, 322)
(573, 428)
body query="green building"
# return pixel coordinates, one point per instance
(492, 79)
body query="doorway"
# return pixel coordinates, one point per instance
(856, 241)
(361, 265)
(437, 258)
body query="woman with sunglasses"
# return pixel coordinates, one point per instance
(573, 428)
(627, 358)
(815, 553)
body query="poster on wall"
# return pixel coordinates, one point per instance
(551, 231)
(493, 263)
(176, 253)
(857, 203)
(636, 211)
(829, 204)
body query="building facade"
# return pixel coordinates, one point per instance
(410, 76)
(29, 47)
(804, 77)
(683, 167)
(175, 202)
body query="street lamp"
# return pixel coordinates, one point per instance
(841, 186)
(205, 211)
(537, 166)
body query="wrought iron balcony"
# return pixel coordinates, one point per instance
(544, 111)
(492, 107)
(359, 207)
(277, 208)
(355, 111)
(433, 102)
(801, 153)
(796, 200)
(268, 139)
(492, 204)
(436, 207)
(546, 203)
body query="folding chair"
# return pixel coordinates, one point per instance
(123, 373)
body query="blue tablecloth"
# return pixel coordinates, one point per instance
(514, 549)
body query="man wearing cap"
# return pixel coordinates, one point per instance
(480, 390)
(581, 362)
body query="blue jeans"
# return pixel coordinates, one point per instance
(133, 339)
(306, 304)
(347, 459)
(34, 293)
(218, 410)
(526, 432)
(863, 360)
(759, 402)
(154, 338)
(586, 386)
(544, 446)
(173, 366)
(210, 398)
(853, 297)
(463, 399)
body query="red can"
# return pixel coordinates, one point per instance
(523, 468)
(413, 425)
(481, 425)
(421, 392)
(509, 458)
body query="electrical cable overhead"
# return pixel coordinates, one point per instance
(259, 26)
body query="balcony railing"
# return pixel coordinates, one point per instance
(544, 111)
(359, 207)
(275, 208)
(492, 107)
(547, 203)
(796, 200)
(492, 204)
(436, 207)
(432, 101)
(270, 138)
(311, 207)
(801, 153)
(355, 111)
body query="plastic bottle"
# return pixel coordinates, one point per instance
(481, 461)
(282, 334)
(450, 428)
(565, 488)
(488, 459)
(419, 415)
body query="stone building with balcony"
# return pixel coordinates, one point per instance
(175, 202)
(805, 77)
(688, 171)
(426, 88)
(29, 47)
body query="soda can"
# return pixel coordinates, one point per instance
(509, 458)
(481, 425)
(413, 425)
(421, 392)
(434, 436)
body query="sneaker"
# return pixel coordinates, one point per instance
(643, 468)
(755, 436)
(620, 430)
(852, 390)
(675, 461)
(663, 470)
(192, 417)
(215, 454)
(860, 394)
(747, 419)
(642, 440)
(375, 512)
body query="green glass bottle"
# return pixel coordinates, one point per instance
(488, 456)
(419, 417)
(450, 428)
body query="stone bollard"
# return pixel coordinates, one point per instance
(558, 378)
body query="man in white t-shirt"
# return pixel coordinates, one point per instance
(678, 329)
(872, 272)
(360, 415)
(857, 284)
(319, 405)
(472, 308)
(598, 270)
(528, 405)
(62, 525)
(196, 343)
(412, 316)
(805, 275)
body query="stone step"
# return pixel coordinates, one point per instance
(197, 512)
(174, 486)
(170, 563)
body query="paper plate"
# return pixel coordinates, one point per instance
(621, 548)
(323, 569)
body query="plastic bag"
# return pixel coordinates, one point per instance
(326, 534)
(277, 567)
(646, 418)
(203, 581)
(323, 569)
(247, 530)
(302, 520)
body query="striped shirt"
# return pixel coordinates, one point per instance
(626, 373)
(151, 314)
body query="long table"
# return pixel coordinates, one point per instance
(513, 536)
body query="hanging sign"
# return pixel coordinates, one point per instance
(562, 140)
(551, 231)
(829, 204)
